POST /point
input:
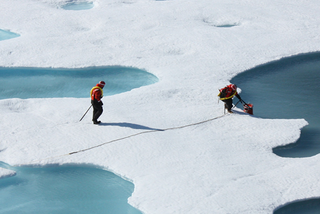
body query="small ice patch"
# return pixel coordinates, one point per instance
(6, 173)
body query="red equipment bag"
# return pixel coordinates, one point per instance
(248, 108)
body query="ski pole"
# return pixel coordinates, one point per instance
(242, 101)
(236, 104)
(85, 113)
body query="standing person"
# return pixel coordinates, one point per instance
(96, 94)
(226, 94)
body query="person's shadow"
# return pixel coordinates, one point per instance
(130, 125)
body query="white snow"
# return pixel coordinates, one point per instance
(6, 173)
(225, 165)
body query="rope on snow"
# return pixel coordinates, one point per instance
(144, 132)
(129, 136)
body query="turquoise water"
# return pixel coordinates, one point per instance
(72, 5)
(288, 88)
(24, 82)
(7, 35)
(69, 188)
(64, 189)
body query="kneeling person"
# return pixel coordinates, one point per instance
(226, 95)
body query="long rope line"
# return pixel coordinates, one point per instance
(144, 132)
(129, 136)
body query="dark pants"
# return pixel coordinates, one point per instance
(97, 110)
(228, 104)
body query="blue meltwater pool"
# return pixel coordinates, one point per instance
(71, 189)
(20, 82)
(75, 5)
(288, 88)
(4, 34)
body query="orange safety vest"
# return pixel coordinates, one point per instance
(92, 93)
(230, 93)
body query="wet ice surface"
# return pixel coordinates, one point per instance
(64, 189)
(193, 59)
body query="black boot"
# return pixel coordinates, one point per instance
(96, 122)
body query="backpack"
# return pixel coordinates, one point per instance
(223, 92)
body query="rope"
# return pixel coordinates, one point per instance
(144, 132)
(129, 136)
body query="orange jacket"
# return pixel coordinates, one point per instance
(96, 93)
(228, 93)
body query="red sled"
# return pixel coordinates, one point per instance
(248, 108)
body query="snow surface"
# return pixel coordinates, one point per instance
(6, 173)
(225, 165)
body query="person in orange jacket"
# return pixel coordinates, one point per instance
(226, 95)
(96, 94)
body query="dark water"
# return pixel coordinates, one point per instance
(311, 206)
(62, 82)
(288, 88)
(64, 189)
